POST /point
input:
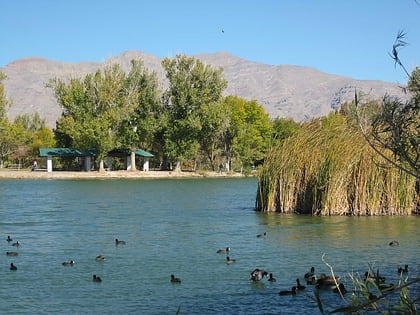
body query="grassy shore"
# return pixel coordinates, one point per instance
(28, 174)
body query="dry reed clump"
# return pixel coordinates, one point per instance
(329, 169)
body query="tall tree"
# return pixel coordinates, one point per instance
(214, 121)
(248, 136)
(192, 84)
(94, 107)
(138, 128)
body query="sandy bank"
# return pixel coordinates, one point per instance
(27, 174)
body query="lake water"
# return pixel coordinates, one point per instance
(175, 226)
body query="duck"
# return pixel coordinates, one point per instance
(175, 279)
(223, 251)
(96, 278)
(340, 289)
(271, 278)
(12, 267)
(394, 243)
(9, 239)
(17, 244)
(117, 242)
(258, 274)
(264, 235)
(324, 278)
(403, 270)
(291, 292)
(68, 263)
(327, 282)
(12, 253)
(298, 286)
(229, 260)
(99, 258)
(310, 274)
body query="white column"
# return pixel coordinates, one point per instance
(128, 162)
(49, 164)
(146, 164)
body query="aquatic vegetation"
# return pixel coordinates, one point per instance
(327, 168)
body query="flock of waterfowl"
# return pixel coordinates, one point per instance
(321, 282)
(95, 278)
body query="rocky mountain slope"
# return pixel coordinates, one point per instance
(284, 90)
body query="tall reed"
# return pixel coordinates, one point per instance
(327, 168)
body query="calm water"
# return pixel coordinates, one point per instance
(176, 227)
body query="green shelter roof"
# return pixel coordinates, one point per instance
(67, 152)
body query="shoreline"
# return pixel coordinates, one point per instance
(28, 174)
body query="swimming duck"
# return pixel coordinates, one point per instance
(229, 260)
(340, 289)
(258, 274)
(17, 244)
(175, 280)
(100, 258)
(117, 242)
(12, 253)
(95, 278)
(223, 251)
(271, 278)
(298, 287)
(403, 270)
(8, 238)
(12, 267)
(327, 282)
(264, 235)
(68, 263)
(291, 292)
(310, 274)
(394, 243)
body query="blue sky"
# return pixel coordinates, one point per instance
(346, 37)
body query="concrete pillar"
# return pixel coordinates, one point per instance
(49, 164)
(128, 163)
(146, 164)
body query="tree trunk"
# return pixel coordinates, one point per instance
(133, 161)
(177, 166)
(101, 166)
(228, 161)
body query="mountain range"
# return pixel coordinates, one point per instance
(286, 91)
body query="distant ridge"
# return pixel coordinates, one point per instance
(291, 91)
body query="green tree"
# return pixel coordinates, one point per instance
(192, 84)
(248, 136)
(31, 122)
(12, 136)
(4, 102)
(137, 129)
(9, 135)
(283, 128)
(214, 121)
(94, 107)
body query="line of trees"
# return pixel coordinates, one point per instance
(21, 138)
(189, 124)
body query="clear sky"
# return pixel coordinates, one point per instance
(346, 37)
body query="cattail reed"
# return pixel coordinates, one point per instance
(328, 168)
